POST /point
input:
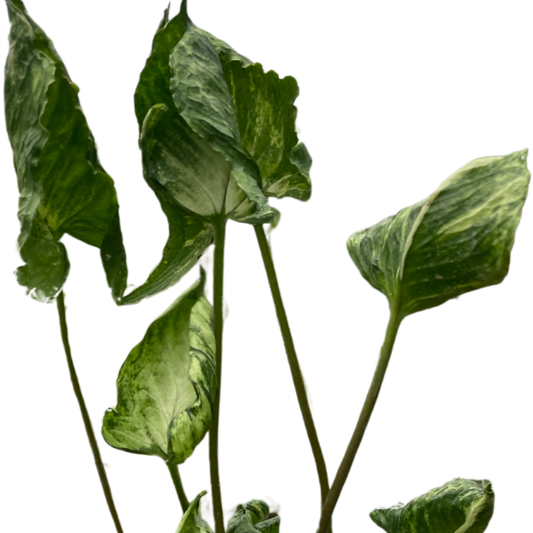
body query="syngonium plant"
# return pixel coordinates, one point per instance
(218, 138)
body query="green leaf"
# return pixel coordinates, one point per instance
(460, 506)
(58, 194)
(244, 113)
(167, 385)
(253, 517)
(191, 521)
(457, 240)
(174, 157)
(269, 157)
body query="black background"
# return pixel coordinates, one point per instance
(389, 107)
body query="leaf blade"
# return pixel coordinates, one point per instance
(167, 384)
(154, 92)
(456, 241)
(58, 194)
(459, 506)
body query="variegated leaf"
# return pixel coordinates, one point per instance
(457, 240)
(460, 506)
(167, 385)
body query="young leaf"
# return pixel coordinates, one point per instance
(457, 240)
(167, 384)
(191, 521)
(59, 193)
(253, 517)
(460, 506)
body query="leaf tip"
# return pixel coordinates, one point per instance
(183, 8)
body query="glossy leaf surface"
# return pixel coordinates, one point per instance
(457, 240)
(63, 188)
(192, 521)
(460, 506)
(167, 384)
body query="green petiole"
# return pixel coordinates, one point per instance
(85, 414)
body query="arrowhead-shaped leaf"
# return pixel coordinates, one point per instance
(243, 111)
(460, 506)
(63, 188)
(167, 384)
(199, 168)
(457, 240)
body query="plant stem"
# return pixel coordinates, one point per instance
(296, 372)
(218, 297)
(84, 413)
(175, 475)
(371, 398)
